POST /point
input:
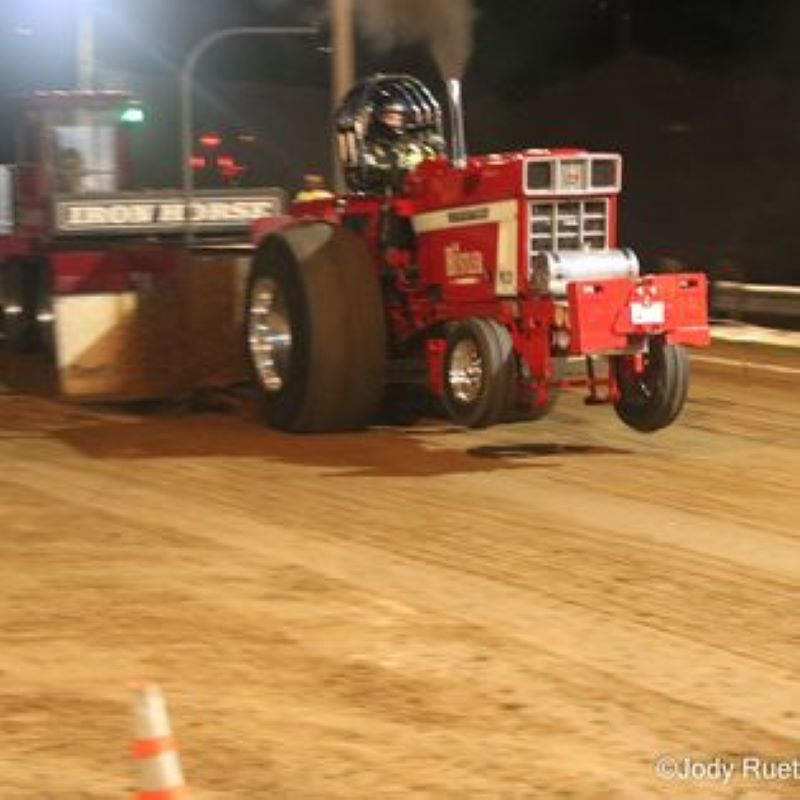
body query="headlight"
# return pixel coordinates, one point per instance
(604, 173)
(572, 175)
(539, 176)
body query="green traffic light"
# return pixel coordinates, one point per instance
(132, 114)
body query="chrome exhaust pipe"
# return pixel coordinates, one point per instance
(458, 144)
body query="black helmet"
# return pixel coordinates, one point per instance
(358, 122)
(392, 117)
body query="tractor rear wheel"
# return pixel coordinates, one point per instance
(316, 334)
(652, 398)
(478, 372)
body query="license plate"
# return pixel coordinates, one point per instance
(652, 314)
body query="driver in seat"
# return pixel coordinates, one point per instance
(393, 149)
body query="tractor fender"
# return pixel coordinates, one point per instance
(323, 211)
(264, 226)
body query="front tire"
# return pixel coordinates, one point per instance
(316, 334)
(478, 372)
(653, 398)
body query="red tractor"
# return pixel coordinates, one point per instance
(480, 278)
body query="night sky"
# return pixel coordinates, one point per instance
(519, 43)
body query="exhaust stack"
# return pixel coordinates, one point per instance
(458, 145)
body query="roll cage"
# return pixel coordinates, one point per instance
(356, 117)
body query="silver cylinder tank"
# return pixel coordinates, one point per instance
(551, 271)
(458, 142)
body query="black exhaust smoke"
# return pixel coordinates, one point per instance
(445, 26)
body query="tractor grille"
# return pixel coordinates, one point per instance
(568, 225)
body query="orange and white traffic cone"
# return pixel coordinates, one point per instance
(158, 767)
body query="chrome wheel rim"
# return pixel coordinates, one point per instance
(269, 333)
(465, 372)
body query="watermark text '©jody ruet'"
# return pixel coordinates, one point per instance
(724, 770)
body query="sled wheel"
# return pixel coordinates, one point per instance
(652, 399)
(316, 335)
(478, 369)
(19, 301)
(44, 312)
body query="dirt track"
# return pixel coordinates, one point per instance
(533, 611)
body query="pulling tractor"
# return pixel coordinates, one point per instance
(479, 278)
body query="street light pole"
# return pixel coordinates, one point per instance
(85, 60)
(342, 42)
(186, 100)
(342, 67)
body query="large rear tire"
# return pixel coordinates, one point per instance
(478, 371)
(316, 333)
(653, 398)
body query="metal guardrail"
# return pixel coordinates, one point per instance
(745, 299)
(6, 199)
